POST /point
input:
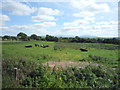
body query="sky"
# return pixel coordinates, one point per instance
(59, 18)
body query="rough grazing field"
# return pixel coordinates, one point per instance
(14, 54)
(60, 52)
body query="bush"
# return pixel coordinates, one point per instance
(89, 77)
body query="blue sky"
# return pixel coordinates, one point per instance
(71, 18)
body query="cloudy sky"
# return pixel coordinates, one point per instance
(63, 18)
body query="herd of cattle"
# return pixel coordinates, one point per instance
(37, 45)
(44, 46)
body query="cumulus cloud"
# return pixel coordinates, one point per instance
(48, 11)
(102, 29)
(76, 23)
(45, 14)
(83, 14)
(3, 28)
(43, 18)
(89, 8)
(112, 25)
(18, 8)
(3, 19)
(90, 5)
(98, 8)
(41, 32)
(21, 27)
(33, 26)
(30, 28)
(45, 24)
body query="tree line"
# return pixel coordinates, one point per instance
(24, 37)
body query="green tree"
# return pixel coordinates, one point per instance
(51, 38)
(6, 37)
(38, 38)
(34, 36)
(22, 36)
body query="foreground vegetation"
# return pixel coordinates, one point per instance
(32, 73)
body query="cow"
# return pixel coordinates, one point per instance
(44, 46)
(84, 50)
(29, 46)
(37, 45)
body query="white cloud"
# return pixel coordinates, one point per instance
(33, 26)
(45, 14)
(102, 29)
(102, 23)
(81, 4)
(48, 11)
(18, 8)
(90, 5)
(3, 19)
(22, 27)
(41, 32)
(42, 18)
(70, 28)
(76, 23)
(89, 8)
(39, 28)
(83, 14)
(90, 19)
(45, 24)
(98, 8)
(3, 28)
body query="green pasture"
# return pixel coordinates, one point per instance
(9, 41)
(60, 51)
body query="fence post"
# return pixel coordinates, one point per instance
(15, 73)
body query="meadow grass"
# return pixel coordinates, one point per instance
(59, 51)
(10, 41)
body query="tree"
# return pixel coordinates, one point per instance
(38, 38)
(22, 36)
(34, 36)
(6, 37)
(13, 38)
(51, 38)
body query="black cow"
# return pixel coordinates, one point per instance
(37, 45)
(29, 46)
(84, 50)
(44, 46)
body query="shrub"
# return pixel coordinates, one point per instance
(73, 77)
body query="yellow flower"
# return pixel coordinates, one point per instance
(60, 78)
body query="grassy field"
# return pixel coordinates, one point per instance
(59, 51)
(9, 41)
(13, 53)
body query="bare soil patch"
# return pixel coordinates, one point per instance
(65, 64)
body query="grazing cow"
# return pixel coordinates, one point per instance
(84, 50)
(28, 46)
(37, 45)
(44, 46)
